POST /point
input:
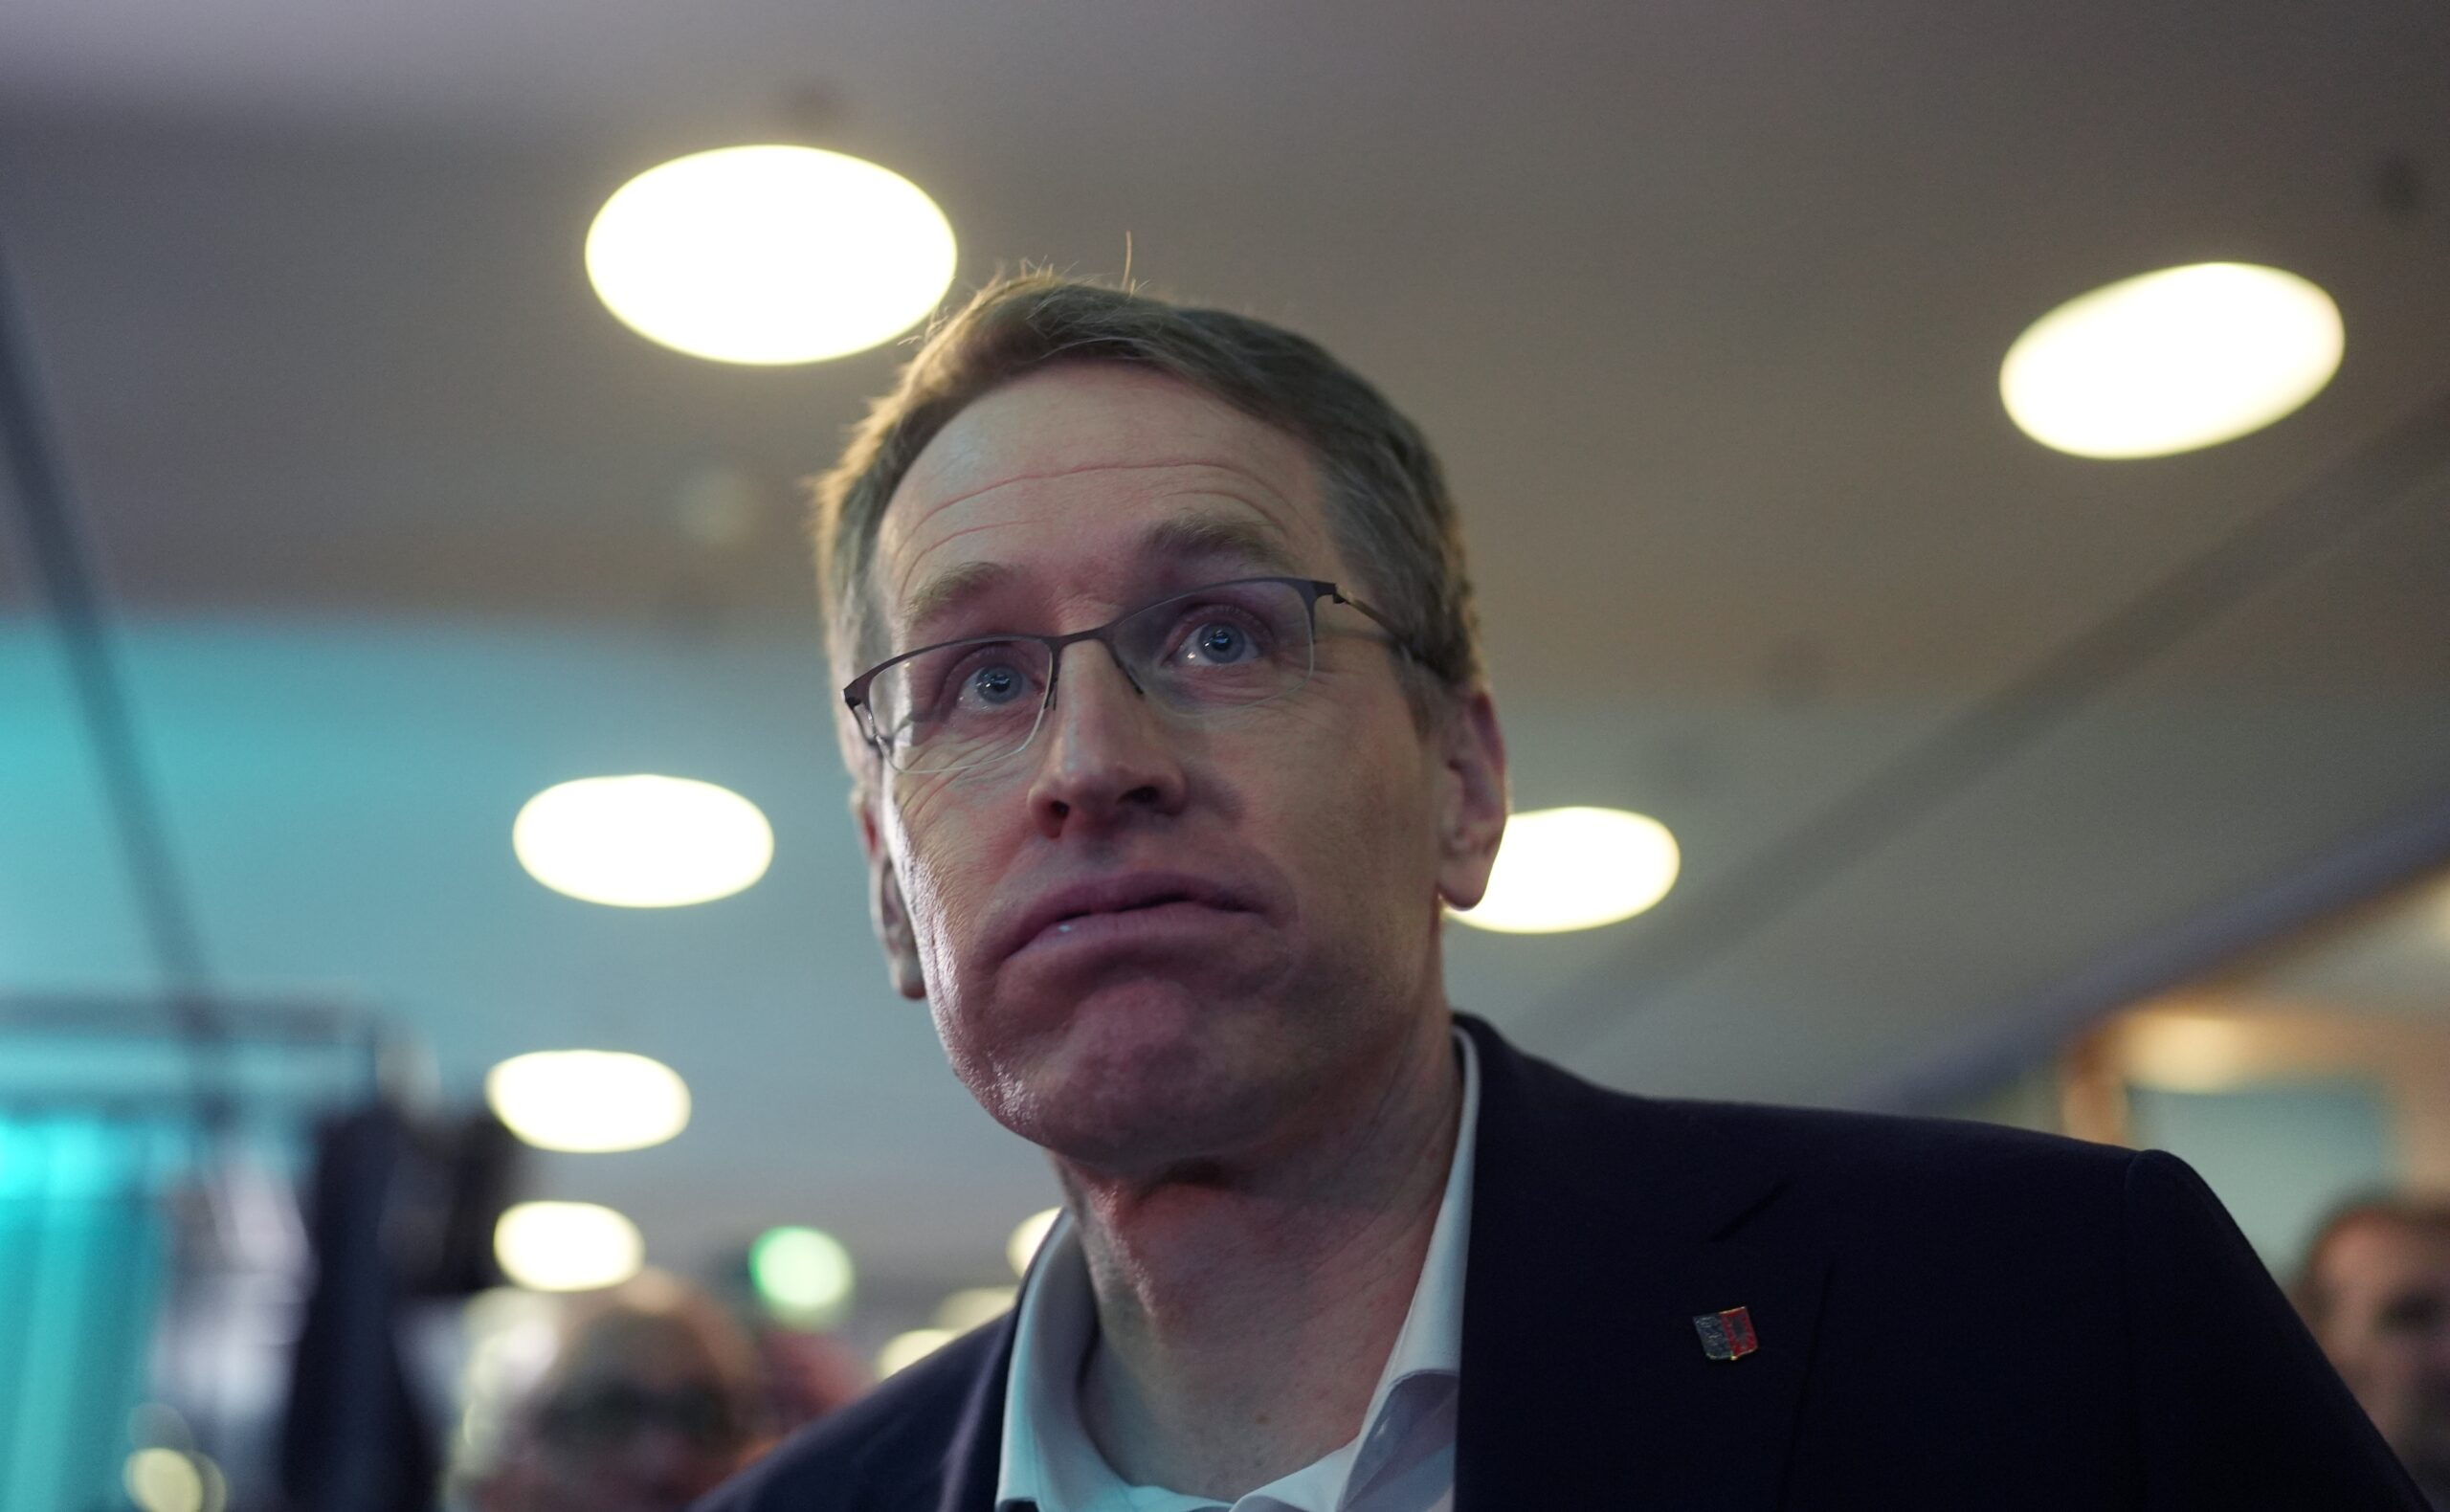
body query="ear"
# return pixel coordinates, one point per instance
(886, 910)
(1471, 799)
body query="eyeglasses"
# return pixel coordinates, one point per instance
(1213, 651)
(611, 1414)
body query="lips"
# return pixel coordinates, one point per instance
(1122, 894)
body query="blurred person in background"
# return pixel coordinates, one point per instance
(1170, 746)
(2375, 1289)
(652, 1397)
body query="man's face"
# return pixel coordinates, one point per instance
(648, 1424)
(1261, 888)
(2387, 1329)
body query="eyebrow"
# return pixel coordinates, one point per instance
(1250, 540)
(1253, 543)
(948, 589)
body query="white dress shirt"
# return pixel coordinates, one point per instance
(1403, 1461)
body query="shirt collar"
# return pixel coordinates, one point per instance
(1047, 1461)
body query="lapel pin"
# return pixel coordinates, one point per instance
(1726, 1335)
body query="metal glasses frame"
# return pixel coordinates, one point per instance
(855, 693)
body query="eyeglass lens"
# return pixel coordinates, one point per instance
(975, 701)
(612, 1413)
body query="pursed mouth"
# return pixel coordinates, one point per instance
(1142, 907)
(1072, 922)
(1124, 908)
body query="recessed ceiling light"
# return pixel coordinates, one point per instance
(642, 841)
(974, 1307)
(567, 1246)
(2186, 1052)
(770, 255)
(805, 1274)
(1566, 869)
(165, 1480)
(2171, 361)
(906, 1349)
(589, 1101)
(1027, 1236)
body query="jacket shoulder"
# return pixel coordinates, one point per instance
(1805, 1139)
(1950, 1188)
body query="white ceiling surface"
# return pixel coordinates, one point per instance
(2388, 961)
(1703, 304)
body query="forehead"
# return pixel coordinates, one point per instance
(1066, 471)
(653, 1349)
(2390, 1253)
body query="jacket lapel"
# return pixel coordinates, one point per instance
(975, 1453)
(1602, 1227)
(913, 1465)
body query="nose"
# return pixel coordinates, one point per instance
(1105, 755)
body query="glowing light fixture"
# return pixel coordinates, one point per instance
(164, 1481)
(906, 1349)
(2187, 1051)
(2171, 361)
(642, 841)
(589, 1101)
(805, 1274)
(1566, 869)
(567, 1246)
(1027, 1236)
(770, 255)
(974, 1305)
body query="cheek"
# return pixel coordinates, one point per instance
(942, 856)
(1360, 813)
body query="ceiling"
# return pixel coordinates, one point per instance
(1964, 740)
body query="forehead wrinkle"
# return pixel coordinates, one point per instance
(901, 524)
(1256, 538)
(1181, 533)
(964, 577)
(1085, 467)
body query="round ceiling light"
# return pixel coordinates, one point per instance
(974, 1306)
(165, 1480)
(903, 1351)
(1566, 869)
(805, 1274)
(642, 841)
(567, 1246)
(2171, 361)
(770, 255)
(1027, 1236)
(589, 1101)
(2168, 1052)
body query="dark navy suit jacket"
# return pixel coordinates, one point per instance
(1948, 1315)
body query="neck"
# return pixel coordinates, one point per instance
(1246, 1307)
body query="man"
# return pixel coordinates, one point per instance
(2375, 1291)
(653, 1398)
(1171, 746)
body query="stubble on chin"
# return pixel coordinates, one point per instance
(1135, 1080)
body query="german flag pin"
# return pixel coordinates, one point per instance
(1726, 1335)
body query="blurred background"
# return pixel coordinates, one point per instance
(345, 515)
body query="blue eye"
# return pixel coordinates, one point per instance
(996, 684)
(1219, 643)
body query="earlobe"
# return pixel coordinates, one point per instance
(886, 909)
(891, 918)
(1474, 796)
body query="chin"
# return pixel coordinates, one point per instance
(1136, 1075)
